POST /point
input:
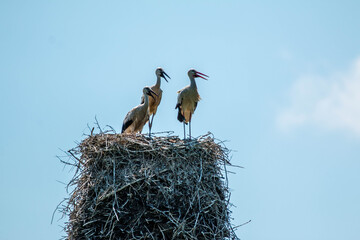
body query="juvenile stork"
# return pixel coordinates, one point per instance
(188, 98)
(154, 102)
(137, 117)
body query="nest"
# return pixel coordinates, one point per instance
(133, 187)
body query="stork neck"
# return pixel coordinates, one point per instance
(192, 82)
(146, 102)
(158, 81)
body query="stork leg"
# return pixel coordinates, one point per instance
(190, 126)
(184, 131)
(190, 130)
(150, 125)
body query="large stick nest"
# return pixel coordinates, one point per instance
(133, 187)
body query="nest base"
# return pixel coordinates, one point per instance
(133, 187)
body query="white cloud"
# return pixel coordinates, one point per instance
(331, 102)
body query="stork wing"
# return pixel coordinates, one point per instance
(126, 125)
(180, 117)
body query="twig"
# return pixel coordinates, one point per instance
(98, 125)
(70, 151)
(241, 224)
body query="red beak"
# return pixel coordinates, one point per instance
(201, 75)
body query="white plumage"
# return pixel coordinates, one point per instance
(154, 102)
(188, 98)
(137, 117)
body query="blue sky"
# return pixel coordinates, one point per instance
(284, 90)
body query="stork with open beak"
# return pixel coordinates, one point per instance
(154, 102)
(137, 117)
(188, 98)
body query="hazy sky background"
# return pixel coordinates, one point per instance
(284, 90)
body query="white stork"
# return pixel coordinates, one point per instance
(154, 102)
(137, 117)
(188, 98)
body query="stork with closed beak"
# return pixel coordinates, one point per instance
(137, 117)
(188, 98)
(154, 102)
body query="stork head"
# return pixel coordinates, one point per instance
(149, 92)
(192, 73)
(161, 73)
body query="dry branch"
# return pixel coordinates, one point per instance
(133, 187)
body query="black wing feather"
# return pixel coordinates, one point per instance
(180, 117)
(126, 125)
